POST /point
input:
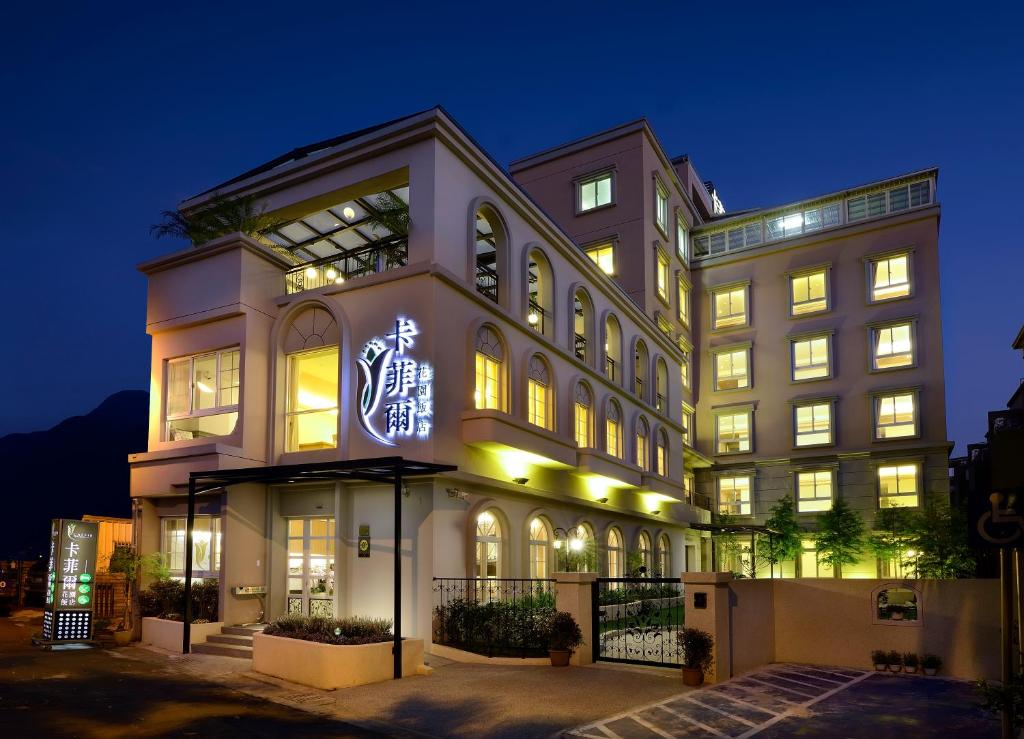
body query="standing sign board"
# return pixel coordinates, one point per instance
(70, 580)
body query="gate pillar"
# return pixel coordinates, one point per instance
(573, 594)
(707, 609)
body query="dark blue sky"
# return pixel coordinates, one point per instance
(111, 115)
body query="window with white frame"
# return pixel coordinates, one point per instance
(603, 255)
(540, 549)
(582, 412)
(488, 546)
(812, 357)
(896, 415)
(202, 395)
(616, 553)
(898, 485)
(729, 306)
(594, 192)
(683, 308)
(734, 495)
(687, 426)
(664, 556)
(490, 373)
(813, 423)
(892, 200)
(660, 206)
(661, 454)
(684, 369)
(613, 430)
(732, 431)
(643, 453)
(814, 491)
(732, 368)
(645, 550)
(312, 406)
(682, 235)
(889, 277)
(662, 275)
(689, 485)
(892, 346)
(538, 392)
(808, 292)
(205, 545)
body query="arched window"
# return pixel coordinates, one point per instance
(539, 306)
(613, 350)
(583, 416)
(643, 450)
(539, 407)
(661, 454)
(491, 245)
(490, 370)
(646, 552)
(613, 429)
(311, 407)
(540, 548)
(488, 545)
(582, 326)
(661, 385)
(616, 554)
(640, 370)
(664, 556)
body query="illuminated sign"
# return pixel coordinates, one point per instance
(396, 393)
(70, 580)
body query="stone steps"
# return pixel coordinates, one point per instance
(224, 650)
(232, 641)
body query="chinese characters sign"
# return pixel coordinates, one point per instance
(396, 392)
(70, 580)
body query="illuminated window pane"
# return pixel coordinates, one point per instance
(538, 401)
(488, 545)
(813, 424)
(893, 346)
(811, 358)
(730, 307)
(732, 432)
(539, 549)
(682, 245)
(688, 427)
(595, 193)
(206, 541)
(895, 416)
(202, 395)
(488, 382)
(734, 495)
(732, 370)
(898, 485)
(808, 293)
(604, 257)
(312, 411)
(814, 491)
(890, 277)
(684, 302)
(613, 432)
(661, 459)
(661, 207)
(582, 425)
(662, 276)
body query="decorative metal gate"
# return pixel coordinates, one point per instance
(638, 619)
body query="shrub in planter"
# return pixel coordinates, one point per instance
(910, 662)
(696, 649)
(323, 630)
(880, 659)
(895, 661)
(564, 636)
(498, 628)
(930, 663)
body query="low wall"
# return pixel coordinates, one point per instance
(330, 666)
(752, 637)
(166, 634)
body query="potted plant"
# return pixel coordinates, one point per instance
(930, 663)
(910, 662)
(696, 648)
(880, 659)
(895, 613)
(895, 661)
(564, 636)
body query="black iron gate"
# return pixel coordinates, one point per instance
(638, 619)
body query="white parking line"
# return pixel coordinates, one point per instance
(803, 706)
(780, 687)
(734, 699)
(719, 710)
(692, 720)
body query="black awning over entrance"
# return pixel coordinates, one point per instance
(385, 470)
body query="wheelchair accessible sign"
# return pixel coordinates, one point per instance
(999, 522)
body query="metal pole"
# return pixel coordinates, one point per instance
(190, 522)
(1018, 654)
(397, 649)
(1007, 605)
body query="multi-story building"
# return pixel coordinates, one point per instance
(810, 331)
(479, 337)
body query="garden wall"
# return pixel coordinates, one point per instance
(753, 635)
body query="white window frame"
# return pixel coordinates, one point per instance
(918, 482)
(745, 507)
(683, 289)
(662, 274)
(594, 178)
(794, 340)
(732, 350)
(682, 239)
(661, 200)
(716, 323)
(734, 412)
(168, 549)
(814, 403)
(218, 408)
(878, 398)
(687, 424)
(871, 263)
(826, 272)
(592, 252)
(874, 332)
(816, 499)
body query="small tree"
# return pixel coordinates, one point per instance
(891, 537)
(939, 537)
(219, 217)
(784, 542)
(125, 560)
(391, 213)
(840, 535)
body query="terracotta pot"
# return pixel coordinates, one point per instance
(559, 657)
(930, 670)
(122, 638)
(693, 676)
(911, 670)
(881, 666)
(895, 668)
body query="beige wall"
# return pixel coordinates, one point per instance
(751, 603)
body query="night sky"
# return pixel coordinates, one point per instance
(111, 115)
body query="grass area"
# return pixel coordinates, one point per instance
(672, 616)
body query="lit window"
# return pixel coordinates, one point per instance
(890, 277)
(604, 257)
(540, 542)
(809, 564)
(814, 491)
(582, 413)
(661, 385)
(684, 369)
(664, 556)
(897, 486)
(813, 424)
(595, 192)
(489, 393)
(202, 395)
(808, 293)
(734, 495)
(616, 553)
(730, 306)
(642, 452)
(661, 455)
(892, 346)
(538, 387)
(488, 546)
(732, 432)
(895, 416)
(811, 358)
(688, 486)
(662, 276)
(613, 431)
(312, 413)
(687, 426)
(646, 555)
(640, 364)
(684, 301)
(205, 545)
(682, 245)
(661, 207)
(732, 369)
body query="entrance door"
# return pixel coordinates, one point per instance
(311, 566)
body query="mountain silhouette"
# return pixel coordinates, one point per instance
(77, 467)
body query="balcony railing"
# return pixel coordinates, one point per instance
(381, 256)
(536, 316)
(609, 368)
(580, 347)
(487, 282)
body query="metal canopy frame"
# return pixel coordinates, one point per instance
(385, 470)
(719, 529)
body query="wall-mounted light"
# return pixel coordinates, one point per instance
(311, 272)
(520, 480)
(331, 274)
(456, 493)
(602, 500)
(656, 513)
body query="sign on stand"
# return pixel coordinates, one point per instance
(70, 581)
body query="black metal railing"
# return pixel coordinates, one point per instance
(536, 315)
(500, 617)
(638, 388)
(580, 347)
(638, 620)
(702, 501)
(659, 402)
(609, 368)
(380, 256)
(487, 281)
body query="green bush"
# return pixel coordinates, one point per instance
(696, 648)
(323, 630)
(564, 632)
(166, 599)
(516, 627)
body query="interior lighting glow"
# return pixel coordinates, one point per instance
(331, 274)
(532, 319)
(576, 545)
(311, 272)
(348, 213)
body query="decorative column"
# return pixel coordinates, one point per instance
(574, 595)
(707, 609)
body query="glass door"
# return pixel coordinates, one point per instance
(311, 566)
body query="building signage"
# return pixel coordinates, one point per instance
(364, 540)
(70, 583)
(396, 392)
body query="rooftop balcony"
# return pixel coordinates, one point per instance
(384, 255)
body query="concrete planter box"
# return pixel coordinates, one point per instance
(167, 634)
(330, 666)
